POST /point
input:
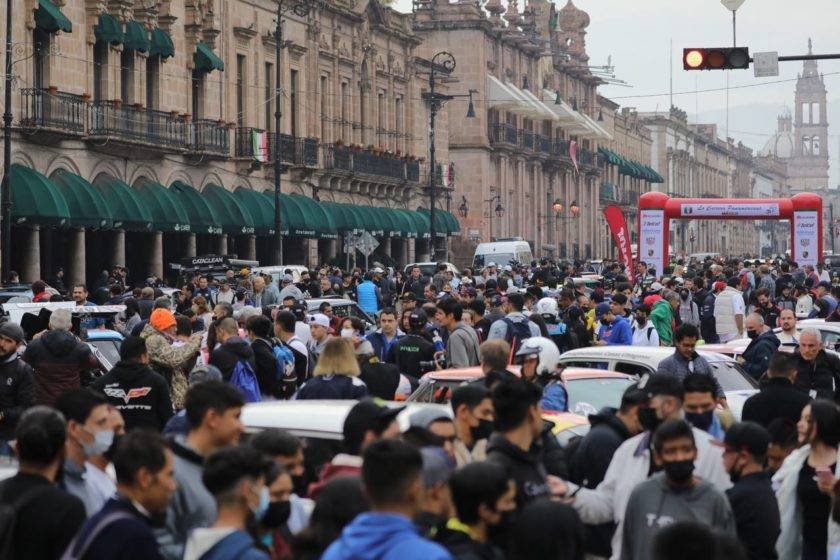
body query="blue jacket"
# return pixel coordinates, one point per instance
(619, 332)
(383, 536)
(236, 546)
(129, 537)
(333, 387)
(555, 397)
(381, 346)
(367, 297)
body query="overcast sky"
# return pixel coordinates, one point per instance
(637, 34)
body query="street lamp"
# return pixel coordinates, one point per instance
(436, 100)
(300, 9)
(463, 208)
(499, 210)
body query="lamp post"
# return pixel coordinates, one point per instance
(302, 10)
(6, 193)
(499, 210)
(436, 100)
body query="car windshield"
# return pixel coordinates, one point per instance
(14, 298)
(588, 396)
(109, 349)
(732, 377)
(501, 259)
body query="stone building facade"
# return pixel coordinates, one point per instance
(178, 93)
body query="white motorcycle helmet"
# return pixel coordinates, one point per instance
(547, 308)
(548, 356)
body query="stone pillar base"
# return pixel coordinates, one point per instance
(223, 245)
(118, 248)
(30, 266)
(191, 245)
(250, 252)
(155, 262)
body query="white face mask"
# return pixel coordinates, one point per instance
(348, 333)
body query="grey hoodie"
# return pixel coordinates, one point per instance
(462, 347)
(654, 505)
(191, 506)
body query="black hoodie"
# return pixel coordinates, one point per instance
(61, 362)
(526, 468)
(231, 351)
(139, 393)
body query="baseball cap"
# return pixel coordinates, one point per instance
(368, 414)
(424, 417)
(747, 436)
(470, 291)
(601, 308)
(491, 263)
(661, 384)
(418, 318)
(408, 296)
(378, 270)
(824, 284)
(320, 319)
(656, 287)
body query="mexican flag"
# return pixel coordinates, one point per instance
(259, 145)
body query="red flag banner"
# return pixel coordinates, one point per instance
(573, 154)
(621, 235)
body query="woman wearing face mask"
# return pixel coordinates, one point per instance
(805, 483)
(276, 535)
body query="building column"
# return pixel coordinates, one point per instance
(332, 249)
(386, 246)
(30, 266)
(311, 252)
(155, 263)
(118, 248)
(410, 250)
(190, 245)
(76, 258)
(250, 252)
(222, 247)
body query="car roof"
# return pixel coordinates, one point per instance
(648, 354)
(103, 334)
(317, 418)
(314, 303)
(472, 373)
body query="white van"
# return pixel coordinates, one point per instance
(502, 252)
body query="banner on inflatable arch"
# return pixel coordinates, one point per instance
(652, 239)
(806, 232)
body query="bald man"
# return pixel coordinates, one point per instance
(787, 320)
(763, 344)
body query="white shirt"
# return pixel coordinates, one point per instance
(737, 305)
(101, 487)
(786, 338)
(645, 336)
(303, 332)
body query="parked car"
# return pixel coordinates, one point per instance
(105, 344)
(639, 360)
(343, 308)
(589, 389)
(430, 268)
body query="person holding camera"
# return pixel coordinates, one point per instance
(414, 353)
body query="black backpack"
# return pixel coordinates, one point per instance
(517, 332)
(9, 515)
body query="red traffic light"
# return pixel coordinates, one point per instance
(727, 58)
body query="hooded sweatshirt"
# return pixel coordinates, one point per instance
(229, 353)
(59, 361)
(383, 536)
(654, 505)
(139, 393)
(525, 467)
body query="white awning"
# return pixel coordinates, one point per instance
(600, 131)
(527, 108)
(571, 121)
(499, 96)
(547, 112)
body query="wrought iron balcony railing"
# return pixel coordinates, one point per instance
(59, 111)
(209, 136)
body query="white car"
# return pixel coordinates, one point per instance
(639, 360)
(277, 271)
(317, 419)
(829, 332)
(430, 268)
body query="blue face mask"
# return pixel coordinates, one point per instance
(102, 441)
(262, 507)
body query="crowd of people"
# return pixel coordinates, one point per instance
(151, 458)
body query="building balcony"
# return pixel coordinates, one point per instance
(504, 134)
(55, 111)
(293, 151)
(133, 124)
(561, 148)
(210, 137)
(526, 139)
(381, 165)
(544, 144)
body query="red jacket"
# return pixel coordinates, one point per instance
(341, 465)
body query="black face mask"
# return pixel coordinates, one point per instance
(641, 320)
(700, 420)
(277, 514)
(499, 535)
(648, 419)
(679, 471)
(300, 485)
(752, 334)
(482, 431)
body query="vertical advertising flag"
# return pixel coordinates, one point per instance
(805, 238)
(652, 238)
(621, 235)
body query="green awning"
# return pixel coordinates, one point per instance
(203, 217)
(285, 219)
(88, 208)
(168, 214)
(394, 227)
(136, 37)
(35, 199)
(452, 223)
(441, 225)
(301, 222)
(234, 217)
(321, 219)
(127, 207)
(50, 18)
(611, 157)
(373, 224)
(206, 60)
(408, 224)
(161, 44)
(342, 217)
(422, 221)
(260, 209)
(108, 29)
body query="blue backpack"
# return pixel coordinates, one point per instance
(244, 379)
(285, 363)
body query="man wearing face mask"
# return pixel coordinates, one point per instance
(699, 406)
(633, 462)
(752, 499)
(472, 409)
(145, 483)
(484, 499)
(17, 384)
(763, 344)
(236, 479)
(644, 333)
(276, 534)
(673, 495)
(88, 434)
